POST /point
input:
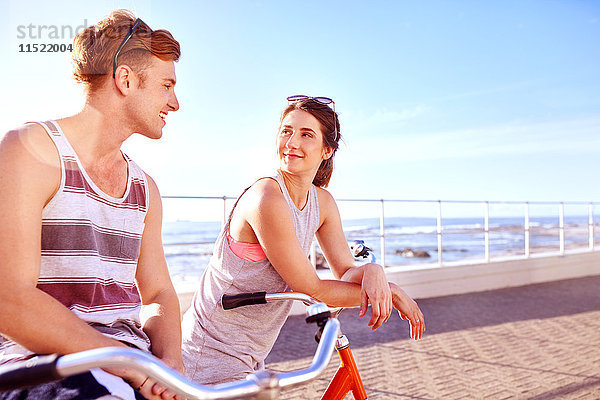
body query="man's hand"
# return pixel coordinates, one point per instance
(143, 384)
(157, 389)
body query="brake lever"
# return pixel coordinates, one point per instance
(335, 312)
(361, 251)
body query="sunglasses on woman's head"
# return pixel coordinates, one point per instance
(318, 99)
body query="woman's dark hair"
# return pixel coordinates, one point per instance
(329, 122)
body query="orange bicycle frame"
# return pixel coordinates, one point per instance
(346, 378)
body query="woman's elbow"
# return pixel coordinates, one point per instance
(313, 288)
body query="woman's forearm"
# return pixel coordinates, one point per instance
(356, 274)
(336, 293)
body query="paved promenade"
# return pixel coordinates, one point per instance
(533, 342)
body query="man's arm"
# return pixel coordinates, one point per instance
(160, 306)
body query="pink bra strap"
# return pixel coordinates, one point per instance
(246, 251)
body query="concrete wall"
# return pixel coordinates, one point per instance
(450, 280)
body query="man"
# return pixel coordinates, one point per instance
(81, 255)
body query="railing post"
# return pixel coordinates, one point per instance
(439, 232)
(382, 231)
(591, 226)
(561, 227)
(486, 231)
(224, 211)
(527, 227)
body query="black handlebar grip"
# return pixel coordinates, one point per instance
(243, 299)
(27, 373)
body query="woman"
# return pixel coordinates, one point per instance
(264, 247)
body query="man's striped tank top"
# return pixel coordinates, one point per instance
(90, 248)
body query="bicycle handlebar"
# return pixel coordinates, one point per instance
(29, 373)
(49, 368)
(245, 299)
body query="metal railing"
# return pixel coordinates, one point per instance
(439, 231)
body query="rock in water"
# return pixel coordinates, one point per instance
(410, 253)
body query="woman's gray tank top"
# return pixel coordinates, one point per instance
(222, 345)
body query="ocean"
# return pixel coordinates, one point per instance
(188, 244)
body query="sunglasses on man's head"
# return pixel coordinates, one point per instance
(318, 99)
(137, 23)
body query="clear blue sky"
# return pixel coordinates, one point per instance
(471, 100)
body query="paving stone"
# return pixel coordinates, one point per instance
(535, 342)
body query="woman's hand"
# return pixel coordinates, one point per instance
(375, 290)
(408, 310)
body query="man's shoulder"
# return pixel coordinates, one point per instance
(23, 132)
(30, 140)
(29, 163)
